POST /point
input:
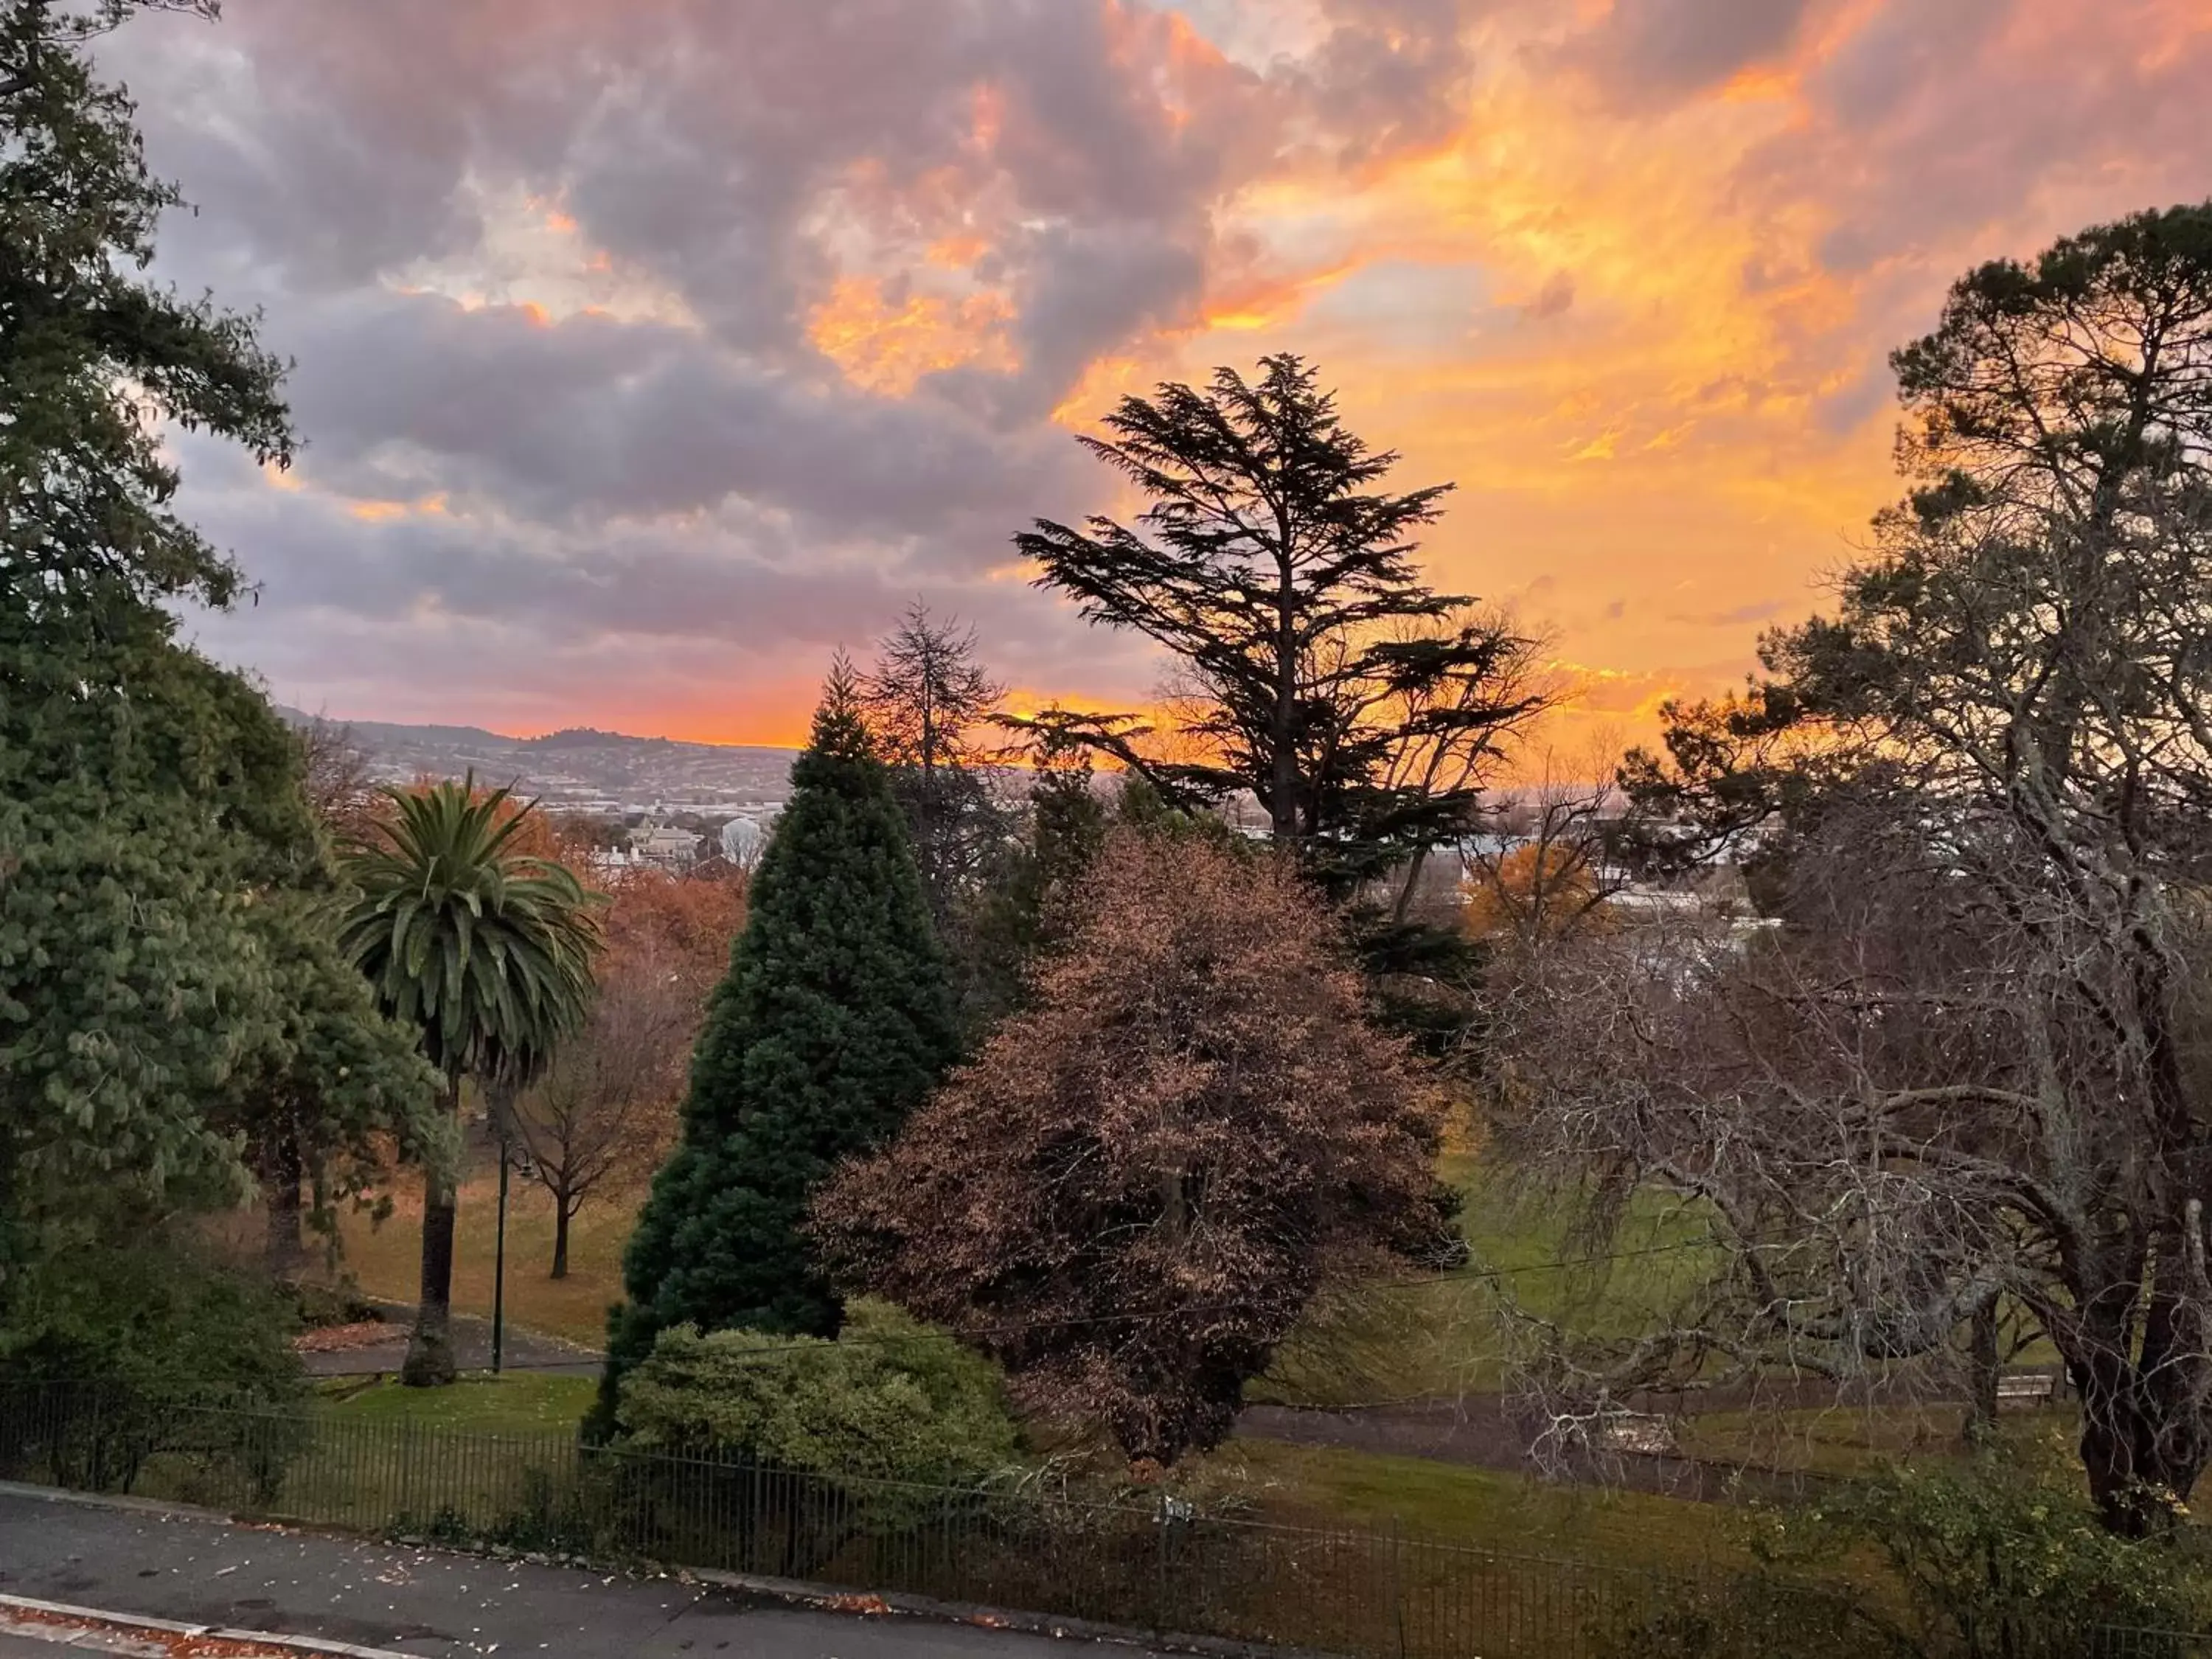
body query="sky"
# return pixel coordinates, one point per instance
(647, 353)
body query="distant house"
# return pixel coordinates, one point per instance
(665, 845)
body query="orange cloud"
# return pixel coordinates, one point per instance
(888, 347)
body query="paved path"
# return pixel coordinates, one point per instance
(428, 1601)
(531, 1350)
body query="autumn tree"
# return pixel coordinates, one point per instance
(1131, 1194)
(1969, 1072)
(1554, 867)
(1364, 710)
(835, 1021)
(604, 1110)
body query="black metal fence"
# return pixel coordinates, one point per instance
(1158, 1565)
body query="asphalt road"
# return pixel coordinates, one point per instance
(428, 1601)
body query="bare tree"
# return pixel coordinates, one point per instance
(336, 779)
(604, 1109)
(926, 700)
(1973, 1068)
(604, 1112)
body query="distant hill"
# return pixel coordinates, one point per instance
(581, 769)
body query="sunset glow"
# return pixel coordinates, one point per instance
(647, 354)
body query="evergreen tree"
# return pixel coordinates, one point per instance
(835, 1022)
(165, 968)
(1366, 712)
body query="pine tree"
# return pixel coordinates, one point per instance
(835, 1022)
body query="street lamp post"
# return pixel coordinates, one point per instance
(498, 1264)
(519, 1161)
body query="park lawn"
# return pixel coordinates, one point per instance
(1368, 1343)
(515, 1403)
(1428, 1336)
(1330, 1486)
(385, 1258)
(1850, 1441)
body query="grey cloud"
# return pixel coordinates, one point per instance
(1554, 299)
(1659, 50)
(723, 487)
(744, 584)
(1392, 73)
(409, 395)
(1930, 133)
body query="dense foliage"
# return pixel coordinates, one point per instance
(2002, 1558)
(168, 997)
(1131, 1195)
(891, 1400)
(835, 1022)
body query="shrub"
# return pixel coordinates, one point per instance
(2003, 1557)
(889, 1400)
(113, 1356)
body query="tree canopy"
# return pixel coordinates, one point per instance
(1364, 709)
(835, 1022)
(1968, 1073)
(165, 970)
(1132, 1194)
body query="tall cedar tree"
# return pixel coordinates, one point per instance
(169, 991)
(834, 1022)
(1361, 708)
(1130, 1197)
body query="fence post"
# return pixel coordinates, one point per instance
(1160, 1568)
(1395, 1545)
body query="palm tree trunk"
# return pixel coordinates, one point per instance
(429, 1363)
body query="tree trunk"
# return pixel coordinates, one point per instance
(283, 1254)
(561, 1235)
(1982, 1370)
(2141, 1463)
(429, 1362)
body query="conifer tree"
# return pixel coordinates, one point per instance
(835, 1022)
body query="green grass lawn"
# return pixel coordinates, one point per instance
(1326, 1487)
(1375, 1343)
(515, 1403)
(385, 1259)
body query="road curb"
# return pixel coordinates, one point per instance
(900, 1604)
(125, 1624)
(108, 1500)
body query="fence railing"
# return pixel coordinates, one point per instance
(1158, 1565)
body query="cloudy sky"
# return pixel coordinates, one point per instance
(648, 351)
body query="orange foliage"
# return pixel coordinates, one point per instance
(686, 923)
(1538, 891)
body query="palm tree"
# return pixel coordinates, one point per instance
(487, 950)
